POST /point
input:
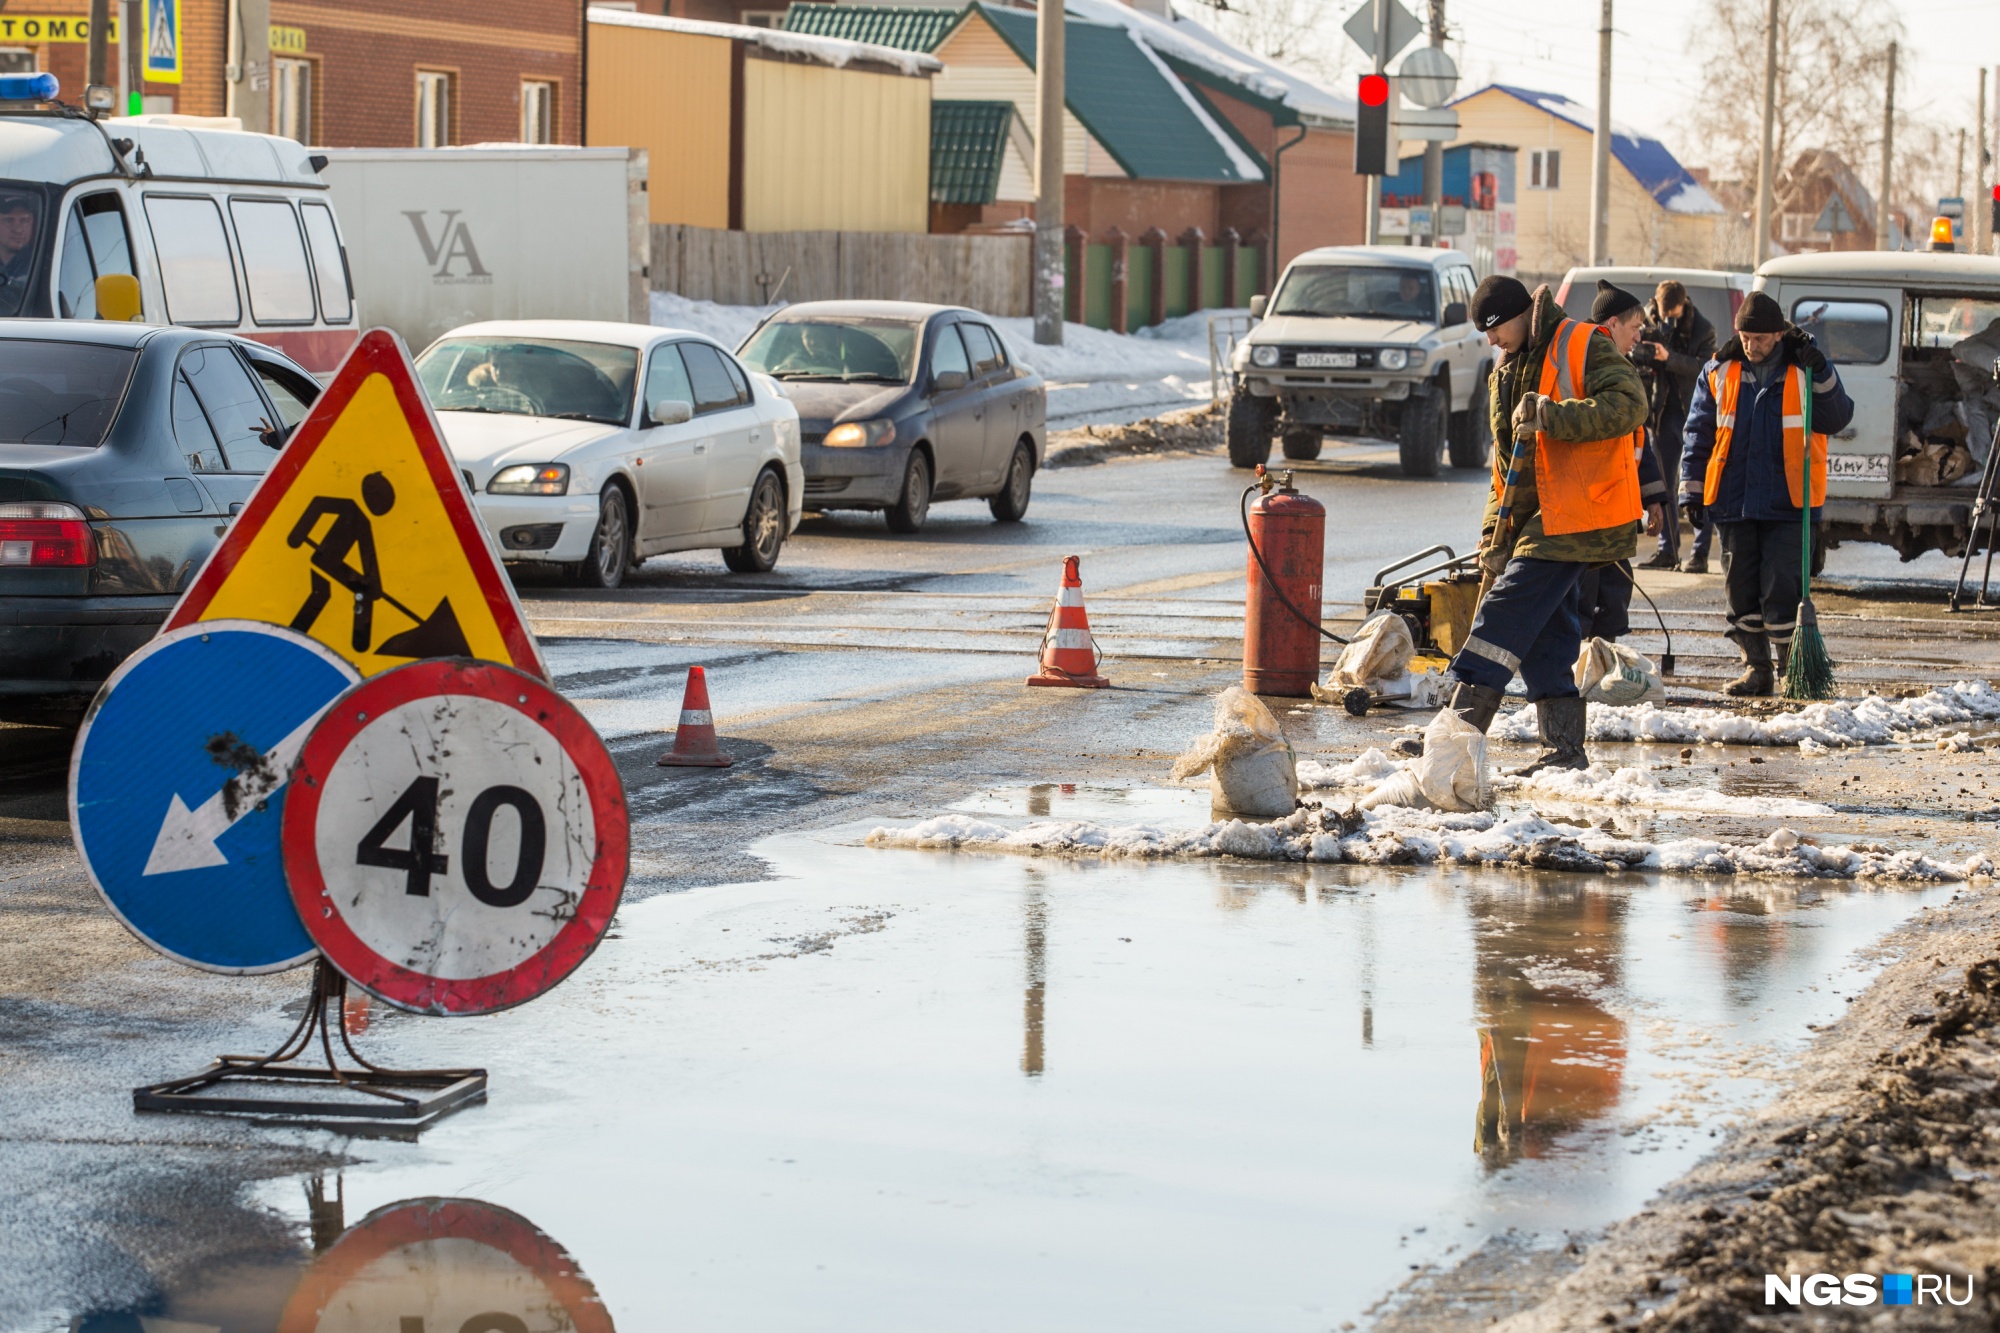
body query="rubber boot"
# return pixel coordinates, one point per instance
(1757, 681)
(1476, 704)
(1561, 724)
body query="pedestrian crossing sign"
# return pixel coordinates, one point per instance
(362, 535)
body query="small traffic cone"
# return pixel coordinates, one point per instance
(1069, 651)
(694, 739)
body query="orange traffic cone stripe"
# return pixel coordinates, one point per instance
(1069, 650)
(694, 739)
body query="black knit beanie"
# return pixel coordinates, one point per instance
(1498, 300)
(1611, 302)
(1760, 314)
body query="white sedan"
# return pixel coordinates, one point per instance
(594, 445)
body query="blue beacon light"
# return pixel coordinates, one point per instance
(29, 87)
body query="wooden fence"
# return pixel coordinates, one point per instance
(987, 273)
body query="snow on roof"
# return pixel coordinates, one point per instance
(833, 51)
(1187, 40)
(1649, 161)
(1245, 167)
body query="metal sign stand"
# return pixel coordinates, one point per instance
(1983, 512)
(368, 1099)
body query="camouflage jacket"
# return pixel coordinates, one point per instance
(1616, 406)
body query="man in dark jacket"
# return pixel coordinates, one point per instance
(1529, 619)
(1761, 461)
(1605, 591)
(1677, 343)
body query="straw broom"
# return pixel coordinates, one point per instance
(1809, 675)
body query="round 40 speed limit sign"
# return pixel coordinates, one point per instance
(455, 838)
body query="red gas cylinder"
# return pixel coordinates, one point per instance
(1281, 651)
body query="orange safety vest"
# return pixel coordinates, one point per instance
(1723, 382)
(1581, 486)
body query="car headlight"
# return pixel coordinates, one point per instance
(530, 479)
(1394, 358)
(861, 434)
(1264, 355)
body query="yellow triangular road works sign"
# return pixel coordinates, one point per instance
(362, 536)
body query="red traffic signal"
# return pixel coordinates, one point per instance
(1375, 92)
(1371, 127)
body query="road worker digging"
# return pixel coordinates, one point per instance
(1565, 497)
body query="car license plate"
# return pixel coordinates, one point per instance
(1326, 360)
(1858, 467)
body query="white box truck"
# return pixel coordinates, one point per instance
(439, 237)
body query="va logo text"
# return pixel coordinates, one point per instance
(1860, 1289)
(452, 245)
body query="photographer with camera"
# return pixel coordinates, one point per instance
(1676, 343)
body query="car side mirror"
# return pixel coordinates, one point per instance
(947, 380)
(118, 297)
(670, 412)
(1257, 306)
(1455, 314)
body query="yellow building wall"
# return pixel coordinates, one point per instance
(979, 66)
(667, 92)
(828, 149)
(1552, 227)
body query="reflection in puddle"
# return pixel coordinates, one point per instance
(416, 1266)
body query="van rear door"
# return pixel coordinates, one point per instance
(1861, 331)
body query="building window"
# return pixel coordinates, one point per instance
(291, 99)
(538, 111)
(1545, 169)
(433, 108)
(764, 18)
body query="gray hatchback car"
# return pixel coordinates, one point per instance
(901, 404)
(124, 450)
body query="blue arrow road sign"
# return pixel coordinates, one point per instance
(177, 783)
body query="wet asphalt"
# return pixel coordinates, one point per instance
(812, 1083)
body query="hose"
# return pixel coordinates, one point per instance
(1244, 506)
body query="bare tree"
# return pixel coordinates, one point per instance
(1304, 34)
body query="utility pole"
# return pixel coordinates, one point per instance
(248, 71)
(1958, 185)
(1977, 206)
(1765, 175)
(1888, 155)
(1374, 232)
(1434, 148)
(96, 67)
(1050, 277)
(1600, 148)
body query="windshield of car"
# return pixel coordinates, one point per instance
(20, 241)
(1946, 321)
(876, 351)
(60, 392)
(531, 377)
(1333, 290)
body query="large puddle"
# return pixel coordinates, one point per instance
(905, 1090)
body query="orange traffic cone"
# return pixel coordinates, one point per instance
(1069, 652)
(694, 739)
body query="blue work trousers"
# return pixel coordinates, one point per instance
(1530, 623)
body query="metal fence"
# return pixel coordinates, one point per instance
(986, 273)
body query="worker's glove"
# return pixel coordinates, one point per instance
(1806, 353)
(1492, 553)
(1694, 511)
(1528, 412)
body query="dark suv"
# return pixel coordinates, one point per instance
(124, 450)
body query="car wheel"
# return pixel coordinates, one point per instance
(1472, 430)
(1302, 445)
(610, 546)
(913, 502)
(763, 529)
(1010, 503)
(1420, 441)
(1251, 420)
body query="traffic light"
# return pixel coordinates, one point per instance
(1371, 127)
(1993, 221)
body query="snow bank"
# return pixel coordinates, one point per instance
(1625, 788)
(1397, 836)
(1870, 721)
(727, 324)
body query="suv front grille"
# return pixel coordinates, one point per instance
(1364, 357)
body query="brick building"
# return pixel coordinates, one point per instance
(373, 73)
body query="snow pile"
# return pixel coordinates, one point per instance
(1870, 721)
(835, 51)
(727, 324)
(1401, 836)
(1624, 788)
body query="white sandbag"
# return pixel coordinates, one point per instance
(1450, 775)
(1611, 673)
(1380, 651)
(1251, 767)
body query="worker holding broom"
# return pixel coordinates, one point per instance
(1746, 466)
(1565, 497)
